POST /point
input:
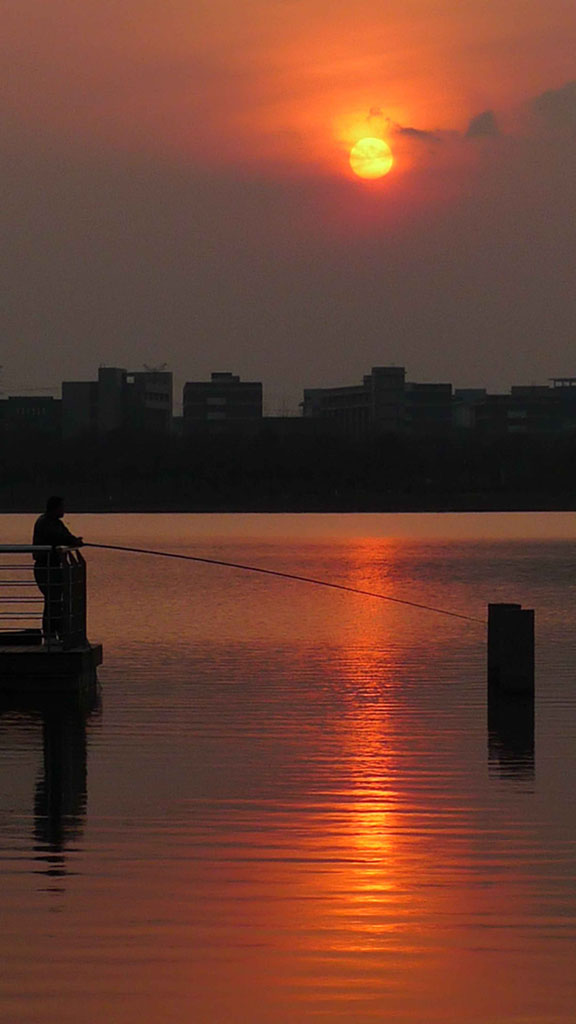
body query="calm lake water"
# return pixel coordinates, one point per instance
(287, 805)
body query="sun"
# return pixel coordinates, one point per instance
(371, 158)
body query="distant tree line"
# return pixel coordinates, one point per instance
(269, 472)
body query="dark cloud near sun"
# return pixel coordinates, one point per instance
(418, 134)
(553, 110)
(483, 125)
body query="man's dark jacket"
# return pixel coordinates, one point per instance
(51, 530)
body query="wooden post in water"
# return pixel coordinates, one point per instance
(511, 649)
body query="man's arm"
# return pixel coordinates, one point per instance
(67, 539)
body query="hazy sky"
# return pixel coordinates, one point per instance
(176, 188)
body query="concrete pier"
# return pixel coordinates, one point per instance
(35, 668)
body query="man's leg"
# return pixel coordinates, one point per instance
(49, 582)
(56, 608)
(41, 577)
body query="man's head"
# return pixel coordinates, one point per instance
(55, 506)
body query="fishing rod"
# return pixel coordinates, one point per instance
(286, 576)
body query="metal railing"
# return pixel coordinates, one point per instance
(42, 600)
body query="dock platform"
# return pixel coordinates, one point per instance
(43, 642)
(42, 670)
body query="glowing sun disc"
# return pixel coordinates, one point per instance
(371, 158)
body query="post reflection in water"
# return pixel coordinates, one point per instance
(511, 734)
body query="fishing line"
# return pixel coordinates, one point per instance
(286, 576)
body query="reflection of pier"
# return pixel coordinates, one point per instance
(511, 733)
(61, 788)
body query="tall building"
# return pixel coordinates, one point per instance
(379, 403)
(148, 401)
(79, 407)
(118, 401)
(224, 399)
(111, 399)
(387, 386)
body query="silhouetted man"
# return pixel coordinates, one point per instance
(49, 529)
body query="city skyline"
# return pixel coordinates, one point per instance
(271, 406)
(130, 402)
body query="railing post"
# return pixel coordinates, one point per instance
(74, 605)
(82, 597)
(66, 634)
(47, 613)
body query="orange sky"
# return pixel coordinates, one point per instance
(288, 82)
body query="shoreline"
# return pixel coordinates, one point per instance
(521, 503)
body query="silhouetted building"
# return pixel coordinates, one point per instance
(429, 408)
(533, 410)
(465, 404)
(79, 407)
(24, 415)
(148, 401)
(118, 401)
(564, 391)
(346, 407)
(224, 399)
(111, 399)
(526, 410)
(376, 404)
